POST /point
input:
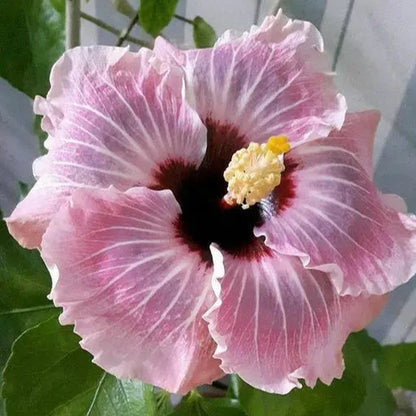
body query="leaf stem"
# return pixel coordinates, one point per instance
(126, 32)
(257, 12)
(194, 395)
(183, 19)
(72, 23)
(26, 310)
(113, 30)
(97, 392)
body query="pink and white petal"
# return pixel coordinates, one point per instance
(263, 88)
(31, 217)
(276, 322)
(133, 289)
(359, 131)
(121, 110)
(280, 28)
(328, 212)
(170, 53)
(394, 202)
(113, 118)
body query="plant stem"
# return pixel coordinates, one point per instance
(126, 32)
(113, 30)
(72, 23)
(183, 19)
(219, 385)
(257, 12)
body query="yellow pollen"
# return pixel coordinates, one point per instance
(255, 171)
(278, 144)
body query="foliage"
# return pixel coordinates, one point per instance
(124, 7)
(58, 5)
(154, 15)
(31, 40)
(204, 34)
(49, 374)
(24, 285)
(196, 405)
(397, 364)
(359, 389)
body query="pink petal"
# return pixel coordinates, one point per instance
(113, 118)
(264, 84)
(328, 211)
(276, 322)
(360, 128)
(134, 291)
(275, 29)
(31, 217)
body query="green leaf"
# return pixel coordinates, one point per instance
(58, 5)
(163, 403)
(124, 7)
(196, 405)
(378, 399)
(359, 389)
(42, 135)
(204, 34)
(222, 407)
(49, 374)
(397, 365)
(24, 189)
(154, 15)
(24, 285)
(31, 40)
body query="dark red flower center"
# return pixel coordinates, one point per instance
(205, 219)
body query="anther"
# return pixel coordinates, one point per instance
(255, 171)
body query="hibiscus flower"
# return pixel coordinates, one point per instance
(210, 211)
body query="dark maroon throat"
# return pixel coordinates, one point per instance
(205, 219)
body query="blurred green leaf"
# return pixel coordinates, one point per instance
(124, 7)
(359, 390)
(49, 374)
(196, 405)
(24, 285)
(222, 407)
(31, 40)
(204, 34)
(163, 403)
(378, 399)
(24, 190)
(59, 5)
(154, 15)
(42, 135)
(397, 365)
